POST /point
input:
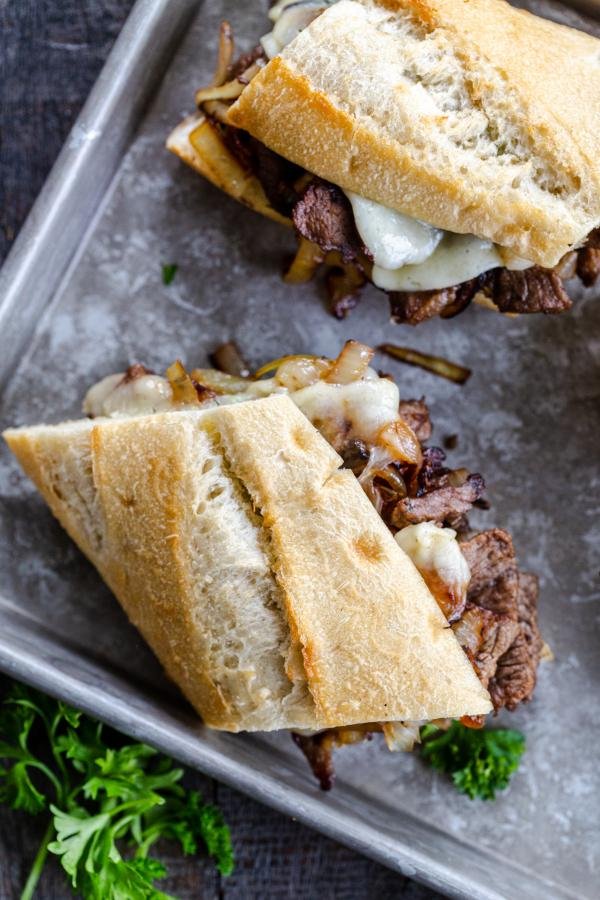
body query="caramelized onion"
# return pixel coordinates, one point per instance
(344, 283)
(458, 477)
(435, 364)
(247, 76)
(401, 736)
(219, 382)
(224, 170)
(567, 266)
(295, 374)
(228, 358)
(231, 90)
(276, 363)
(401, 442)
(217, 109)
(343, 288)
(352, 363)
(226, 51)
(482, 299)
(184, 389)
(307, 260)
(379, 477)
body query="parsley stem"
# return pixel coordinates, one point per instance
(41, 767)
(38, 863)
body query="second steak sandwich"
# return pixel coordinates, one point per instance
(257, 555)
(445, 150)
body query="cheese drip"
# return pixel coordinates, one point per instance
(436, 553)
(410, 255)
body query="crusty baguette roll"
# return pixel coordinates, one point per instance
(256, 569)
(468, 114)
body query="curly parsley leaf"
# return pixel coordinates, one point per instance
(480, 762)
(110, 801)
(191, 822)
(17, 790)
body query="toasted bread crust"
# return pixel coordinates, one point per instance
(374, 642)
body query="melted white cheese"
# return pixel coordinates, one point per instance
(393, 239)
(458, 258)
(364, 406)
(435, 552)
(360, 408)
(141, 396)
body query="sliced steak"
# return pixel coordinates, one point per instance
(433, 473)
(532, 290)
(324, 216)
(318, 748)
(588, 259)
(440, 505)
(502, 605)
(414, 307)
(494, 573)
(516, 675)
(416, 415)
(276, 175)
(588, 265)
(485, 636)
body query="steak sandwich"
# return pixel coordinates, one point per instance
(292, 550)
(445, 150)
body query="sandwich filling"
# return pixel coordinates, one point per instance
(407, 255)
(384, 440)
(425, 271)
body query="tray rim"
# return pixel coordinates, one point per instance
(36, 243)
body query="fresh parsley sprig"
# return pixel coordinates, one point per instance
(108, 801)
(480, 762)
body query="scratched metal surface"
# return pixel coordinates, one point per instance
(528, 419)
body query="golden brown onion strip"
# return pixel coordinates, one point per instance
(184, 390)
(307, 260)
(437, 365)
(275, 363)
(228, 358)
(400, 441)
(219, 382)
(225, 57)
(231, 90)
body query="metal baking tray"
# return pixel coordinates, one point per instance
(81, 296)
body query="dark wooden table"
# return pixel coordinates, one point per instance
(50, 54)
